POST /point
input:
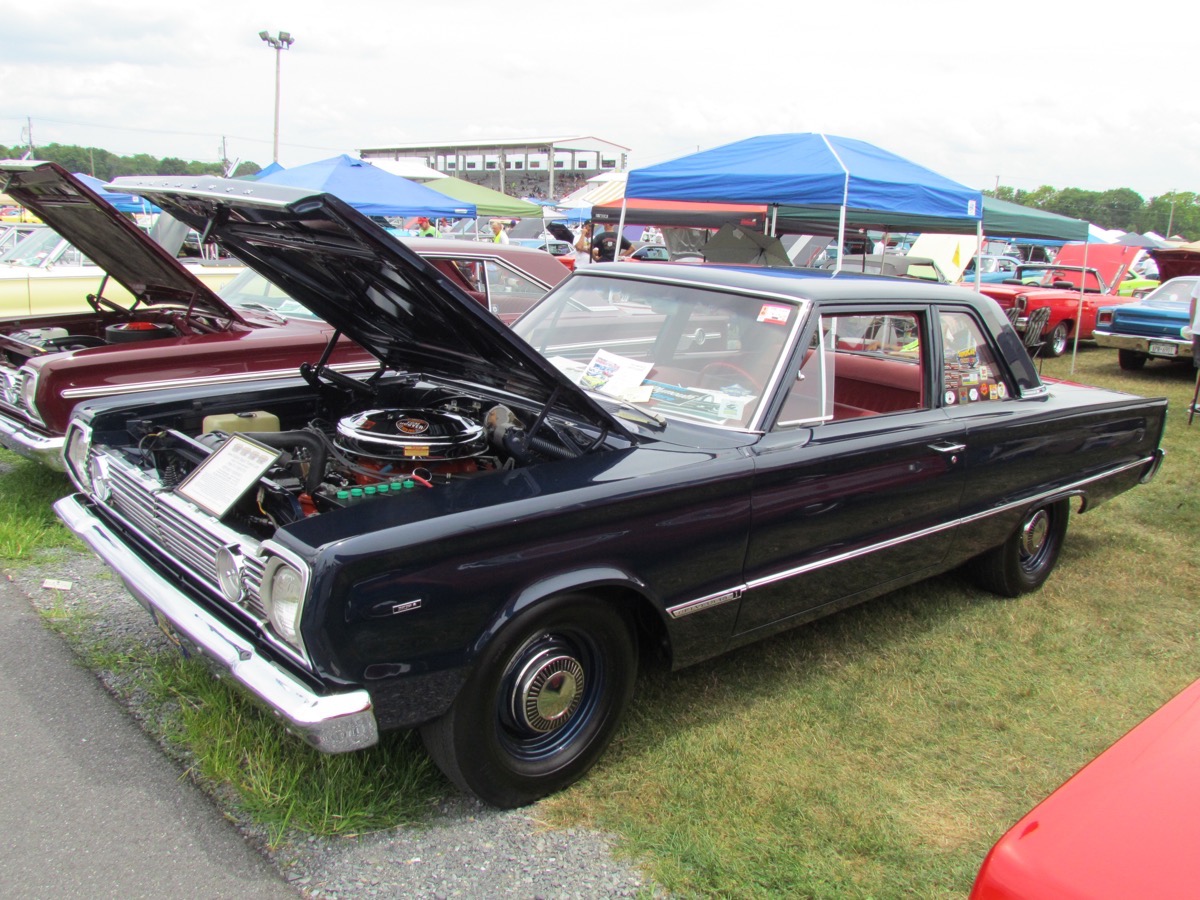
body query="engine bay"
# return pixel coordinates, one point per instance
(103, 328)
(362, 451)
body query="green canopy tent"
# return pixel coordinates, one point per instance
(487, 202)
(1001, 219)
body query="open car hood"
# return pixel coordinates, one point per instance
(105, 236)
(369, 286)
(1112, 261)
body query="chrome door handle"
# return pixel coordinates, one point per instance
(948, 447)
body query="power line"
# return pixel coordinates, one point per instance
(124, 128)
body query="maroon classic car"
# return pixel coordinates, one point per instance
(1099, 268)
(178, 332)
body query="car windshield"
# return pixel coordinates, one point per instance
(34, 250)
(250, 291)
(678, 351)
(1065, 277)
(1177, 290)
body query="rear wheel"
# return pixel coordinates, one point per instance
(1131, 360)
(1026, 559)
(542, 703)
(1056, 343)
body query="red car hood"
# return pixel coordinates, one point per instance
(1123, 826)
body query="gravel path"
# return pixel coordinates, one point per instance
(464, 850)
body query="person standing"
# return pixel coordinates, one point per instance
(604, 247)
(499, 235)
(425, 228)
(1192, 330)
(583, 246)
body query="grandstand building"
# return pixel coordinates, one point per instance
(546, 168)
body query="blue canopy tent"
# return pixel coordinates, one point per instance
(269, 169)
(371, 190)
(126, 203)
(850, 179)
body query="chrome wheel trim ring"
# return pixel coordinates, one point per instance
(547, 691)
(1034, 533)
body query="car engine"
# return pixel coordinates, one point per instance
(363, 455)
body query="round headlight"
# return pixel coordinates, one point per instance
(29, 380)
(229, 574)
(76, 456)
(283, 599)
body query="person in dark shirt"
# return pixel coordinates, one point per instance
(604, 246)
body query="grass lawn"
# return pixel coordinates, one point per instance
(877, 753)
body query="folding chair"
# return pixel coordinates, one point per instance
(1035, 324)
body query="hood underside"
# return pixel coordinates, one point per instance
(367, 285)
(105, 236)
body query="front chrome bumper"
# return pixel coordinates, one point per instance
(24, 441)
(333, 723)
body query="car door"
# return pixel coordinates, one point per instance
(858, 485)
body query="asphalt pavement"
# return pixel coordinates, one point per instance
(91, 807)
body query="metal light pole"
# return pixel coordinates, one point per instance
(280, 42)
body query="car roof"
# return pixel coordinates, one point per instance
(797, 283)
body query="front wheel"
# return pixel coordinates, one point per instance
(1026, 559)
(541, 704)
(1056, 343)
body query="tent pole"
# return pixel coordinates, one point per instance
(1079, 309)
(978, 255)
(841, 239)
(620, 229)
(774, 219)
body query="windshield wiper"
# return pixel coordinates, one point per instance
(266, 310)
(634, 413)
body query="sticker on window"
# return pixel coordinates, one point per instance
(774, 314)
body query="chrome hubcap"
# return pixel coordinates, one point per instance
(548, 690)
(1033, 535)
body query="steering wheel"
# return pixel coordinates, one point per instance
(721, 365)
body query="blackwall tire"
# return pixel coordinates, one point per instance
(1025, 560)
(542, 703)
(1131, 360)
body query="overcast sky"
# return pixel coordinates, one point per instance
(1070, 94)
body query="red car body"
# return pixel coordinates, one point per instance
(1126, 825)
(1099, 268)
(180, 333)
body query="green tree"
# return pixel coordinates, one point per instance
(1119, 208)
(171, 165)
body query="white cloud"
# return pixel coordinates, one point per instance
(1034, 93)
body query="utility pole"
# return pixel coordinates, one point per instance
(278, 43)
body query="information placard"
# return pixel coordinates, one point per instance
(221, 480)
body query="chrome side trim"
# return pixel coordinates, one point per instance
(736, 592)
(703, 603)
(333, 723)
(116, 390)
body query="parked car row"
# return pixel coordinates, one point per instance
(1082, 279)
(351, 484)
(152, 323)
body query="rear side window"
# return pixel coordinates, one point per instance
(969, 370)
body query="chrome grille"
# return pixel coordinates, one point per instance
(185, 535)
(11, 382)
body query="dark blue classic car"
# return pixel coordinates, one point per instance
(484, 537)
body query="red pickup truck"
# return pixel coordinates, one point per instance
(1098, 269)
